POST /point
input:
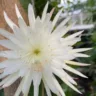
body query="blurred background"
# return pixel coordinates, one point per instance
(83, 12)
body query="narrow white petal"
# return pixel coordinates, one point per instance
(73, 35)
(19, 43)
(51, 13)
(49, 81)
(57, 65)
(12, 69)
(9, 54)
(47, 20)
(23, 71)
(80, 55)
(7, 79)
(18, 12)
(63, 23)
(37, 76)
(23, 26)
(5, 33)
(61, 92)
(70, 85)
(70, 79)
(17, 93)
(36, 90)
(17, 32)
(75, 41)
(62, 74)
(47, 89)
(27, 83)
(80, 50)
(3, 75)
(71, 42)
(20, 35)
(9, 44)
(9, 21)
(31, 15)
(36, 82)
(63, 31)
(76, 63)
(51, 85)
(66, 81)
(11, 37)
(45, 12)
(56, 18)
(73, 71)
(11, 81)
(8, 63)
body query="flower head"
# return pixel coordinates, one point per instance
(39, 52)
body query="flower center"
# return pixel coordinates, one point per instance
(36, 51)
(36, 57)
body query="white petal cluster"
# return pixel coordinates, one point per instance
(39, 52)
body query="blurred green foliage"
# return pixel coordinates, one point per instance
(1, 92)
(39, 6)
(25, 4)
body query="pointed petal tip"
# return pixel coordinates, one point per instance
(82, 31)
(85, 76)
(45, 11)
(18, 12)
(76, 63)
(80, 92)
(61, 10)
(47, 2)
(86, 49)
(5, 14)
(88, 64)
(88, 56)
(89, 48)
(4, 86)
(75, 83)
(30, 5)
(15, 5)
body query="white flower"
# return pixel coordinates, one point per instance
(38, 51)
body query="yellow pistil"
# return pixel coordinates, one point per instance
(36, 51)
